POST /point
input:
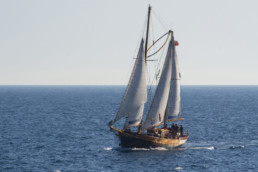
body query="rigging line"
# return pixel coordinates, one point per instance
(152, 32)
(141, 36)
(159, 66)
(150, 67)
(164, 27)
(152, 74)
(180, 103)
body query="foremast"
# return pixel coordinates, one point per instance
(147, 33)
(146, 52)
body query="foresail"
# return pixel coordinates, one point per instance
(135, 95)
(157, 109)
(134, 118)
(173, 106)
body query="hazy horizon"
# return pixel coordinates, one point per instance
(122, 85)
(62, 42)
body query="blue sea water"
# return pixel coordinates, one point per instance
(64, 128)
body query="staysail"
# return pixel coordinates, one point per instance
(157, 109)
(135, 95)
(173, 105)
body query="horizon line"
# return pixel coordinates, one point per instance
(120, 85)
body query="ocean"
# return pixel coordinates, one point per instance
(64, 128)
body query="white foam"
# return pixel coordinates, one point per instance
(57, 171)
(178, 168)
(108, 148)
(208, 148)
(237, 146)
(159, 148)
(140, 149)
(148, 149)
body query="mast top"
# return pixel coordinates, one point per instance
(147, 33)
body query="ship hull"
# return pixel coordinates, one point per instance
(135, 140)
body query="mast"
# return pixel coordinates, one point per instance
(165, 118)
(170, 32)
(147, 33)
(145, 52)
(173, 109)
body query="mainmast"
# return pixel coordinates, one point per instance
(170, 32)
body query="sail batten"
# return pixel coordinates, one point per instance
(135, 96)
(157, 109)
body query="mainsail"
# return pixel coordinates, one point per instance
(135, 95)
(173, 105)
(158, 106)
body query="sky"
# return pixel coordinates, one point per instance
(86, 42)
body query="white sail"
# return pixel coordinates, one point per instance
(157, 109)
(135, 95)
(173, 106)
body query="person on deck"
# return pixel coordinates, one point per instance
(181, 130)
(173, 127)
(127, 129)
(176, 128)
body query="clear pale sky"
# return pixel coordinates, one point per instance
(83, 42)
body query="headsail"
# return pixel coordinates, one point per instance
(135, 95)
(173, 106)
(157, 109)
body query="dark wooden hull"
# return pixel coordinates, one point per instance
(132, 142)
(135, 140)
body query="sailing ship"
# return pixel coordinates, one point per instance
(165, 106)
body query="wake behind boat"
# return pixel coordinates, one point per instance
(165, 106)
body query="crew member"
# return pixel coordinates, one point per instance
(176, 128)
(181, 130)
(173, 127)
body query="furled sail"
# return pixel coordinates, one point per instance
(135, 95)
(158, 106)
(173, 106)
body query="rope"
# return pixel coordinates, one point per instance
(164, 27)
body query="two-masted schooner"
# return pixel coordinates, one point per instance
(165, 106)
